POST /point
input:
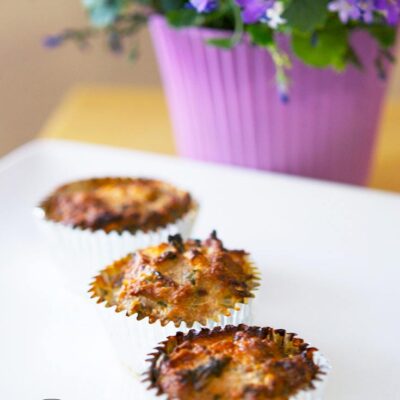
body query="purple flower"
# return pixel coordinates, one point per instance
(391, 8)
(203, 6)
(254, 10)
(115, 42)
(283, 96)
(367, 8)
(53, 41)
(347, 9)
(364, 9)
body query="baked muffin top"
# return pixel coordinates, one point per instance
(190, 281)
(236, 362)
(117, 204)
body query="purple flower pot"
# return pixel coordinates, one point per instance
(225, 108)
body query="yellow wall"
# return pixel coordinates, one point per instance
(33, 79)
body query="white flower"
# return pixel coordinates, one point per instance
(274, 15)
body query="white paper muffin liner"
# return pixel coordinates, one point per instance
(319, 384)
(314, 393)
(134, 340)
(81, 253)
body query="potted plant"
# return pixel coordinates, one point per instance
(294, 86)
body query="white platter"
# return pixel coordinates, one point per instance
(329, 254)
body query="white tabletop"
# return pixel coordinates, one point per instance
(329, 255)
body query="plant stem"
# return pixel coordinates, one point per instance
(238, 33)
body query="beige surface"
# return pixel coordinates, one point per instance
(138, 118)
(33, 80)
(386, 172)
(129, 117)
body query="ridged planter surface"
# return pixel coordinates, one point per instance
(224, 107)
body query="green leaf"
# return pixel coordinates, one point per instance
(328, 48)
(260, 34)
(353, 58)
(384, 34)
(228, 43)
(306, 15)
(182, 18)
(224, 43)
(169, 5)
(133, 54)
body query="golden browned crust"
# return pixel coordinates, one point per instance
(189, 281)
(117, 204)
(236, 362)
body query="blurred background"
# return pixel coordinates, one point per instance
(34, 79)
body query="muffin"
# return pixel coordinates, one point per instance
(237, 362)
(175, 285)
(96, 221)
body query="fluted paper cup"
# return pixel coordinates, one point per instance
(81, 253)
(313, 392)
(224, 106)
(133, 340)
(317, 393)
(134, 333)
